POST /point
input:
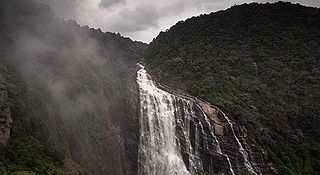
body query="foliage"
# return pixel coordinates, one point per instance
(44, 51)
(258, 62)
(246, 172)
(202, 172)
(24, 155)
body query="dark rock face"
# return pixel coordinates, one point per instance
(203, 138)
(222, 128)
(5, 118)
(223, 145)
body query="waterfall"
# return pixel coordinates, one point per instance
(159, 152)
(241, 149)
(217, 141)
(183, 121)
(173, 130)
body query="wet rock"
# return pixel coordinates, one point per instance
(224, 146)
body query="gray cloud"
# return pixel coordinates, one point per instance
(138, 18)
(63, 8)
(143, 19)
(108, 3)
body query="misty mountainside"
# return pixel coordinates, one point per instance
(71, 91)
(231, 92)
(260, 64)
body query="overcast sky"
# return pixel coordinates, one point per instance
(141, 20)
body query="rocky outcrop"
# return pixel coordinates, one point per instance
(254, 153)
(5, 118)
(224, 146)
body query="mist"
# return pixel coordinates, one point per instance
(75, 85)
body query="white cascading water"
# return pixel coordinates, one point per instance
(158, 149)
(241, 149)
(192, 150)
(217, 141)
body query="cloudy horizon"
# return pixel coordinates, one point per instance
(142, 20)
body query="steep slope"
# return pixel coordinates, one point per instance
(76, 97)
(181, 134)
(259, 63)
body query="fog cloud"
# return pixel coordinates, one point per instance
(108, 3)
(143, 19)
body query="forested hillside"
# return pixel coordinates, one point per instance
(61, 87)
(259, 62)
(69, 101)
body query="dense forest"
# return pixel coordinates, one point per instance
(259, 62)
(68, 97)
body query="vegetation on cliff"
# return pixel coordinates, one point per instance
(24, 153)
(71, 80)
(259, 62)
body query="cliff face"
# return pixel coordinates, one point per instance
(181, 134)
(233, 154)
(234, 143)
